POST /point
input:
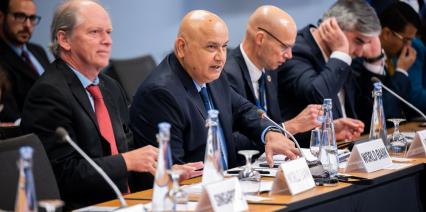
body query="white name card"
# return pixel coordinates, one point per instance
(293, 176)
(369, 156)
(418, 146)
(225, 195)
(133, 208)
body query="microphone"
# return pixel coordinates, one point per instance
(375, 79)
(65, 137)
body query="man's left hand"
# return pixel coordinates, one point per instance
(277, 143)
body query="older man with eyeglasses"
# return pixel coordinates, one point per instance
(23, 61)
(268, 43)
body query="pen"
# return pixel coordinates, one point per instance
(238, 171)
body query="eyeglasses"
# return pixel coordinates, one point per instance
(402, 38)
(284, 46)
(22, 17)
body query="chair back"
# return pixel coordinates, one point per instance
(130, 73)
(44, 178)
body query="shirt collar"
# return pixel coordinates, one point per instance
(84, 81)
(254, 72)
(18, 50)
(198, 86)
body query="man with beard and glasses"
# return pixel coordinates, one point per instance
(22, 61)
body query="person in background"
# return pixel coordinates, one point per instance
(322, 58)
(73, 94)
(250, 69)
(4, 88)
(399, 24)
(22, 61)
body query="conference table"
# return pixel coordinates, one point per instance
(402, 189)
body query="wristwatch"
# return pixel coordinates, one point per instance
(273, 129)
(375, 59)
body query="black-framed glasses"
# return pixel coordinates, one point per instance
(284, 46)
(22, 17)
(404, 40)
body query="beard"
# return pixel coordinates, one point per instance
(19, 38)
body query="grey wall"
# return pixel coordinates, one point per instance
(150, 26)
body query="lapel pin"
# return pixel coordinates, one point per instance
(268, 77)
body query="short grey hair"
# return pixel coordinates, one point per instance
(355, 15)
(65, 19)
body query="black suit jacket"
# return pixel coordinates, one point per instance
(169, 95)
(20, 76)
(308, 79)
(59, 99)
(239, 78)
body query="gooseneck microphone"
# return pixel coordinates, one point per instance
(375, 79)
(262, 115)
(64, 136)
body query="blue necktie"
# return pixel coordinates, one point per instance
(208, 105)
(260, 103)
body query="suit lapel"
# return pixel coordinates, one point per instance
(16, 62)
(318, 58)
(219, 100)
(79, 92)
(39, 55)
(316, 51)
(114, 115)
(350, 97)
(270, 93)
(189, 85)
(246, 75)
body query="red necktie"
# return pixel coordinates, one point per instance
(102, 115)
(26, 58)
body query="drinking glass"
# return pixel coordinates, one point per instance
(248, 177)
(315, 142)
(398, 144)
(50, 205)
(176, 194)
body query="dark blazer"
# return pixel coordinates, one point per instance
(308, 79)
(20, 76)
(59, 99)
(239, 78)
(169, 94)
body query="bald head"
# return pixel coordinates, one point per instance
(269, 27)
(272, 19)
(197, 23)
(201, 45)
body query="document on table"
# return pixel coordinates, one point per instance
(96, 208)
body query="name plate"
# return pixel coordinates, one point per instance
(225, 195)
(369, 156)
(293, 176)
(418, 146)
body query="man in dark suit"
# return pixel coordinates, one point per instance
(90, 106)
(174, 93)
(322, 57)
(269, 38)
(23, 62)
(400, 24)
